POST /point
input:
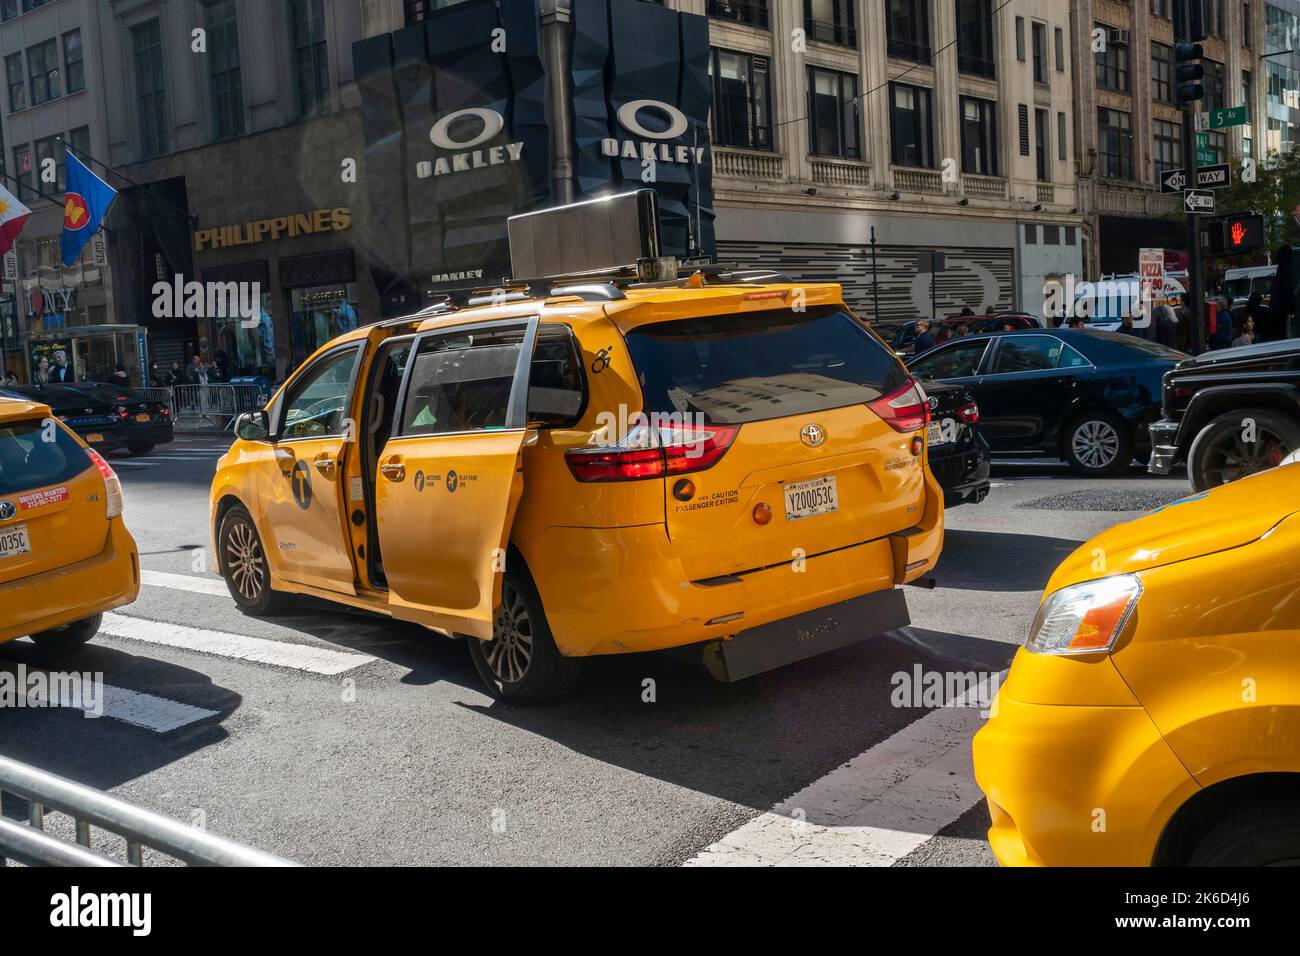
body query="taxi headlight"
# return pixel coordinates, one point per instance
(1084, 618)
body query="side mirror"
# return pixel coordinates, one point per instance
(253, 426)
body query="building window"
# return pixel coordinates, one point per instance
(975, 37)
(908, 30)
(151, 98)
(1218, 141)
(1060, 137)
(1214, 90)
(979, 137)
(1160, 8)
(1246, 38)
(1168, 139)
(310, 59)
(23, 171)
(741, 100)
(1247, 131)
(8, 10)
(74, 68)
(1115, 144)
(1112, 63)
(1042, 148)
(223, 68)
(1051, 235)
(1162, 72)
(1031, 234)
(17, 82)
(1040, 52)
(1060, 50)
(1023, 128)
(749, 12)
(51, 147)
(832, 21)
(833, 114)
(1020, 39)
(910, 123)
(43, 71)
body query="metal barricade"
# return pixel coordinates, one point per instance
(31, 845)
(157, 394)
(213, 406)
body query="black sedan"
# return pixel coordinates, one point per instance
(958, 453)
(94, 417)
(1083, 396)
(148, 421)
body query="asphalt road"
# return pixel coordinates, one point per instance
(384, 750)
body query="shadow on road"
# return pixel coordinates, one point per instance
(980, 560)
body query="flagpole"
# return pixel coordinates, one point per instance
(40, 195)
(127, 179)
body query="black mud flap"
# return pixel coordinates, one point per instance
(806, 635)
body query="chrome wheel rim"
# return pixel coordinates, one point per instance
(510, 652)
(245, 563)
(1232, 458)
(1095, 444)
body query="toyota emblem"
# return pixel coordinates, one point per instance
(812, 435)
(7, 510)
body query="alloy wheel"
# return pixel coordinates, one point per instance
(1231, 458)
(510, 652)
(1095, 444)
(245, 562)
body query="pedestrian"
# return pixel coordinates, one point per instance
(961, 331)
(1222, 337)
(966, 312)
(1075, 322)
(1245, 331)
(195, 373)
(10, 379)
(1266, 330)
(1166, 323)
(924, 341)
(1126, 326)
(172, 377)
(119, 377)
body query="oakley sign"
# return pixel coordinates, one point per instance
(465, 152)
(629, 117)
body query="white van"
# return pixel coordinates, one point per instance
(1238, 284)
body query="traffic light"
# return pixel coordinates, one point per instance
(1188, 72)
(1231, 235)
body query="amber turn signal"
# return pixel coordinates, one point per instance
(762, 513)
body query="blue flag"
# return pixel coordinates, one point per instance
(85, 204)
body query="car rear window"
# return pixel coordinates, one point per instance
(37, 453)
(734, 369)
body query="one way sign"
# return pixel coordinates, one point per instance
(1207, 177)
(1195, 201)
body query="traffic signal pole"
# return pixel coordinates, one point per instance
(1188, 29)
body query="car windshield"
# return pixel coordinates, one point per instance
(37, 453)
(735, 369)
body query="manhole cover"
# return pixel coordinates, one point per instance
(1107, 499)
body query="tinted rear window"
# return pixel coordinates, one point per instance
(34, 454)
(734, 369)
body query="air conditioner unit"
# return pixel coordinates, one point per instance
(1117, 37)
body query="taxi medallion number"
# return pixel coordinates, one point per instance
(816, 496)
(14, 541)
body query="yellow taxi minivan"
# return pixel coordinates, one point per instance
(1153, 715)
(66, 556)
(601, 468)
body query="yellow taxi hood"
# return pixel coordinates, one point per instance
(1216, 520)
(14, 409)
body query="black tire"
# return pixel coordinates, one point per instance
(243, 564)
(1098, 443)
(69, 636)
(521, 664)
(1263, 833)
(1220, 454)
(139, 449)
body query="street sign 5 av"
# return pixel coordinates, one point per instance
(1207, 177)
(1220, 119)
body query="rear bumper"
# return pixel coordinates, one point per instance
(112, 437)
(963, 473)
(155, 433)
(42, 601)
(1164, 447)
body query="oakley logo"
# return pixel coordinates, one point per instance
(455, 132)
(812, 435)
(675, 125)
(628, 118)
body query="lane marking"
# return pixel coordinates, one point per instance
(136, 708)
(184, 582)
(873, 810)
(301, 657)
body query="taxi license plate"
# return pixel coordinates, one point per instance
(816, 496)
(94, 437)
(142, 417)
(14, 541)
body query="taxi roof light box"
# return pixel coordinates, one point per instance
(595, 236)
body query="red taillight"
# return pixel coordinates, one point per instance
(905, 410)
(969, 413)
(164, 411)
(665, 451)
(104, 467)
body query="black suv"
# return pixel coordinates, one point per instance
(1229, 413)
(959, 455)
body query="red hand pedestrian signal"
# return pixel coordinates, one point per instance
(1238, 233)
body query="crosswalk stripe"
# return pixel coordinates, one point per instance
(874, 810)
(136, 708)
(185, 582)
(302, 657)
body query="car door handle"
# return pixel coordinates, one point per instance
(393, 469)
(324, 463)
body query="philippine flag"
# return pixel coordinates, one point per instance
(13, 216)
(85, 204)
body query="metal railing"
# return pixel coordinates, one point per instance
(216, 405)
(31, 845)
(750, 12)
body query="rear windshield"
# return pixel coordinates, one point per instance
(734, 369)
(34, 454)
